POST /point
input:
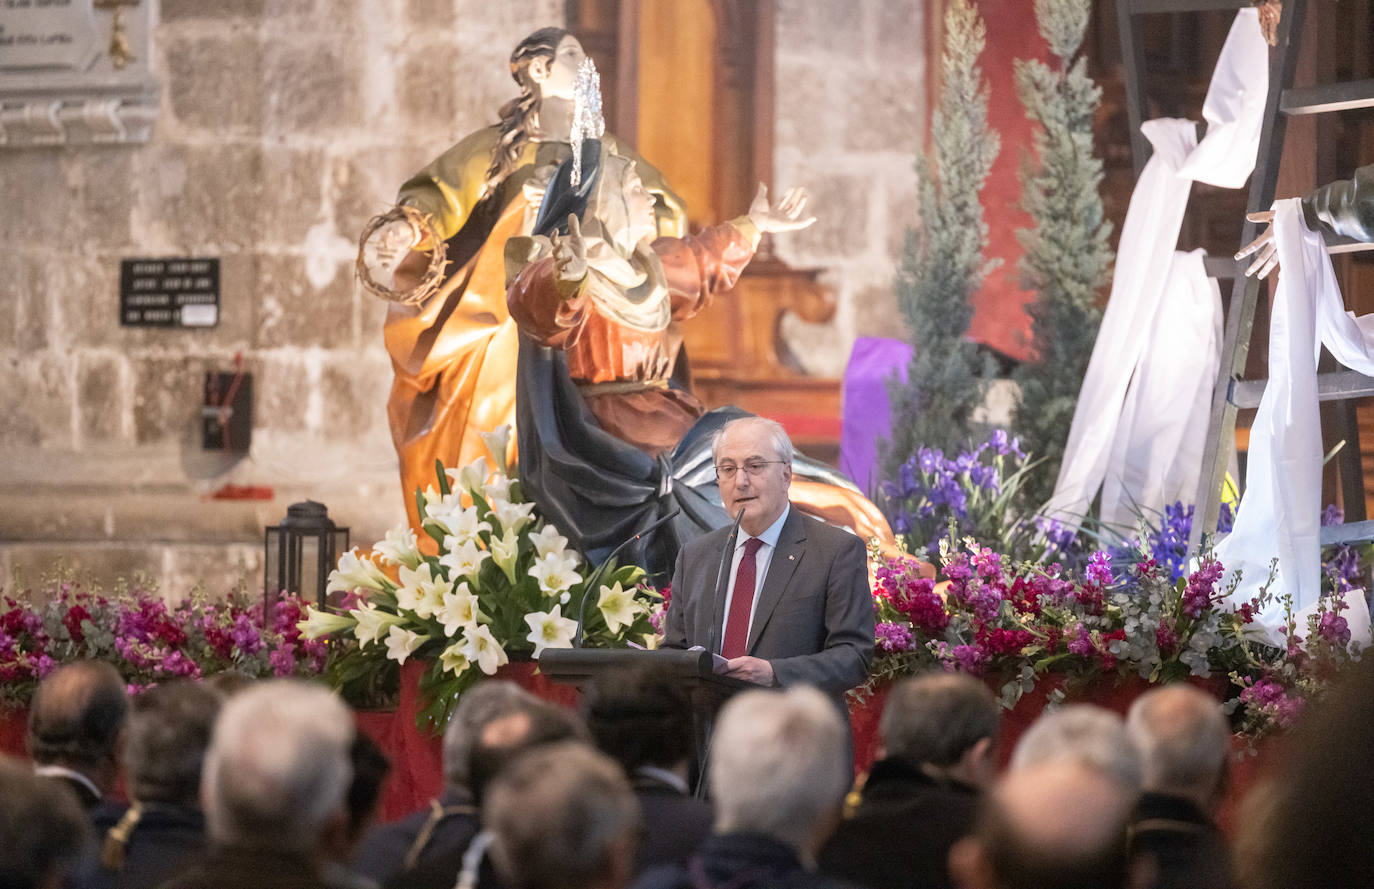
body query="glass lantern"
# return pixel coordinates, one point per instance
(299, 553)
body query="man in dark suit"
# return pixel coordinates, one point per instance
(794, 606)
(1184, 747)
(939, 752)
(74, 728)
(641, 717)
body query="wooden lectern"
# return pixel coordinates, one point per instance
(576, 666)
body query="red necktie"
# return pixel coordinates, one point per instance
(737, 624)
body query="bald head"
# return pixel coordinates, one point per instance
(1183, 741)
(1059, 824)
(76, 719)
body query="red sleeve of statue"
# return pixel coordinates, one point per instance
(541, 311)
(699, 266)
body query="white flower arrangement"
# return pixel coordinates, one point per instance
(500, 583)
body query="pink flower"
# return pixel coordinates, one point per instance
(893, 638)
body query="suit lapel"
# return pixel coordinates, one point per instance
(786, 557)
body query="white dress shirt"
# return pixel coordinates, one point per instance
(762, 559)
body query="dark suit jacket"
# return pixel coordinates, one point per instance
(901, 833)
(739, 861)
(1180, 846)
(381, 855)
(166, 840)
(814, 620)
(675, 825)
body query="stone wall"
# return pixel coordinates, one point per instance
(284, 125)
(851, 111)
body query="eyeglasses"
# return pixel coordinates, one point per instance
(726, 471)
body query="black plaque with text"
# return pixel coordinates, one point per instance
(169, 292)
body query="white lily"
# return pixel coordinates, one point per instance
(504, 552)
(319, 623)
(401, 643)
(431, 597)
(399, 548)
(550, 630)
(462, 524)
(356, 573)
(453, 660)
(619, 606)
(498, 443)
(463, 558)
(459, 610)
(408, 594)
(480, 647)
(373, 623)
(547, 540)
(471, 477)
(512, 516)
(440, 509)
(498, 488)
(556, 573)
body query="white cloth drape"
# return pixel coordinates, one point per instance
(1279, 515)
(1139, 403)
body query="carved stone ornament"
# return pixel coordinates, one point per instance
(76, 72)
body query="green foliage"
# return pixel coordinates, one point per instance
(943, 263)
(1067, 254)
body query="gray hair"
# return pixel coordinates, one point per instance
(478, 705)
(936, 718)
(165, 741)
(1182, 737)
(778, 763)
(777, 437)
(559, 815)
(278, 766)
(1084, 734)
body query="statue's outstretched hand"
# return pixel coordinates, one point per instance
(788, 216)
(1268, 258)
(570, 252)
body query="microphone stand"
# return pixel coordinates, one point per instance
(592, 581)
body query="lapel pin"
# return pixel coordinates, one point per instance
(790, 558)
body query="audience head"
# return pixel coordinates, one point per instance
(779, 766)
(504, 739)
(562, 817)
(945, 721)
(476, 707)
(640, 716)
(164, 745)
(43, 828)
(1183, 741)
(1085, 734)
(1055, 824)
(278, 767)
(76, 719)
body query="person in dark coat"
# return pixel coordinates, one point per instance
(274, 789)
(443, 829)
(938, 754)
(778, 773)
(43, 828)
(1184, 746)
(642, 718)
(500, 741)
(74, 725)
(163, 830)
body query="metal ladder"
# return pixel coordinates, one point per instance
(1231, 392)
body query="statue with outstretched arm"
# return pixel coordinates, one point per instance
(1345, 208)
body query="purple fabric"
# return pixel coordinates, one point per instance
(866, 414)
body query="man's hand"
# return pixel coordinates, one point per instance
(570, 253)
(1268, 258)
(750, 669)
(393, 241)
(787, 216)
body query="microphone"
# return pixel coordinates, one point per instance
(725, 556)
(591, 583)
